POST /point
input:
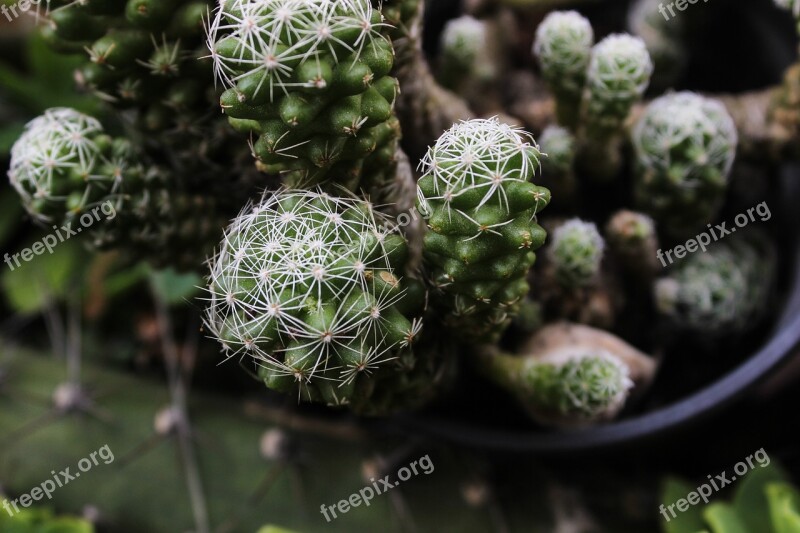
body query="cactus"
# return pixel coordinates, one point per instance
(664, 41)
(481, 209)
(685, 146)
(563, 47)
(465, 41)
(310, 81)
(569, 375)
(576, 252)
(633, 242)
(64, 165)
(558, 175)
(722, 291)
(311, 288)
(618, 75)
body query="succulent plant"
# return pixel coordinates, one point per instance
(310, 81)
(481, 210)
(721, 291)
(464, 46)
(563, 46)
(64, 165)
(663, 38)
(576, 252)
(685, 146)
(633, 241)
(569, 375)
(618, 75)
(311, 288)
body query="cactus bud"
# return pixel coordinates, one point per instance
(576, 252)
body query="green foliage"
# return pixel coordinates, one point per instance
(42, 521)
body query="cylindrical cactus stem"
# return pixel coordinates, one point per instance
(64, 165)
(310, 287)
(569, 375)
(619, 73)
(311, 81)
(481, 207)
(576, 253)
(722, 291)
(563, 46)
(464, 43)
(558, 167)
(685, 147)
(633, 242)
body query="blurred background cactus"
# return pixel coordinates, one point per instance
(346, 198)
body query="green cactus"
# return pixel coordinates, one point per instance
(685, 146)
(64, 165)
(563, 46)
(481, 210)
(633, 242)
(558, 168)
(576, 253)
(618, 75)
(311, 288)
(464, 57)
(721, 291)
(310, 81)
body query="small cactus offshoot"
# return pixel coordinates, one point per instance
(310, 81)
(64, 164)
(685, 146)
(563, 47)
(311, 288)
(576, 252)
(481, 207)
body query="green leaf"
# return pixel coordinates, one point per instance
(722, 518)
(689, 521)
(175, 287)
(750, 499)
(784, 507)
(46, 277)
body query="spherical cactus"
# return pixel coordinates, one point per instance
(481, 210)
(310, 81)
(563, 46)
(310, 288)
(576, 253)
(619, 73)
(64, 164)
(721, 291)
(685, 146)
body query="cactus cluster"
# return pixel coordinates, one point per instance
(310, 81)
(312, 288)
(142, 55)
(481, 209)
(685, 146)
